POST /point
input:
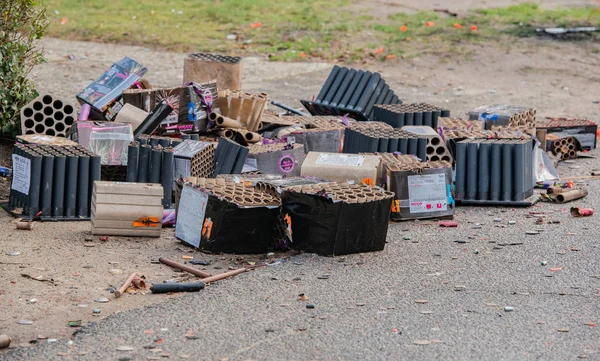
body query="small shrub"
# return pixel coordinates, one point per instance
(22, 24)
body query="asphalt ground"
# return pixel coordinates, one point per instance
(368, 307)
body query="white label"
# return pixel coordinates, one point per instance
(190, 215)
(427, 193)
(21, 173)
(340, 159)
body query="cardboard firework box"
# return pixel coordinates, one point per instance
(104, 95)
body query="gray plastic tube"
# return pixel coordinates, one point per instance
(132, 161)
(472, 159)
(83, 183)
(496, 172)
(484, 171)
(71, 175)
(507, 171)
(461, 169)
(58, 185)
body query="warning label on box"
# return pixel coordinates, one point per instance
(340, 159)
(427, 193)
(21, 174)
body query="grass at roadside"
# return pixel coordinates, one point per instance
(295, 29)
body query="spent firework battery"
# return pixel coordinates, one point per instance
(384, 141)
(352, 92)
(47, 115)
(53, 182)
(216, 215)
(400, 115)
(422, 189)
(336, 218)
(503, 115)
(583, 130)
(147, 164)
(494, 172)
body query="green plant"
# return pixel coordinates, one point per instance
(22, 24)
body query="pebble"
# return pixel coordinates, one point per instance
(25, 322)
(460, 241)
(270, 254)
(406, 238)
(32, 301)
(323, 277)
(512, 222)
(476, 251)
(543, 263)
(509, 309)
(532, 232)
(101, 300)
(115, 271)
(459, 288)
(310, 305)
(96, 310)
(563, 330)
(52, 340)
(88, 238)
(421, 301)
(427, 312)
(13, 253)
(497, 219)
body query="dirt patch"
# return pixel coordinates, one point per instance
(78, 272)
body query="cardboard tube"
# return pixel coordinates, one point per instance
(571, 195)
(246, 111)
(555, 190)
(226, 122)
(139, 283)
(235, 105)
(251, 137)
(4, 341)
(25, 226)
(224, 101)
(223, 275)
(226, 133)
(132, 115)
(123, 288)
(188, 269)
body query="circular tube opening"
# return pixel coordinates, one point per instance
(47, 99)
(57, 104)
(39, 129)
(38, 106)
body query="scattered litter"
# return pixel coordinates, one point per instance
(448, 224)
(323, 277)
(422, 342)
(76, 323)
(509, 309)
(14, 253)
(25, 322)
(101, 300)
(563, 329)
(310, 305)
(555, 269)
(581, 212)
(421, 301)
(125, 348)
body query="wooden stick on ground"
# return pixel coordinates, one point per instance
(224, 275)
(188, 269)
(123, 288)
